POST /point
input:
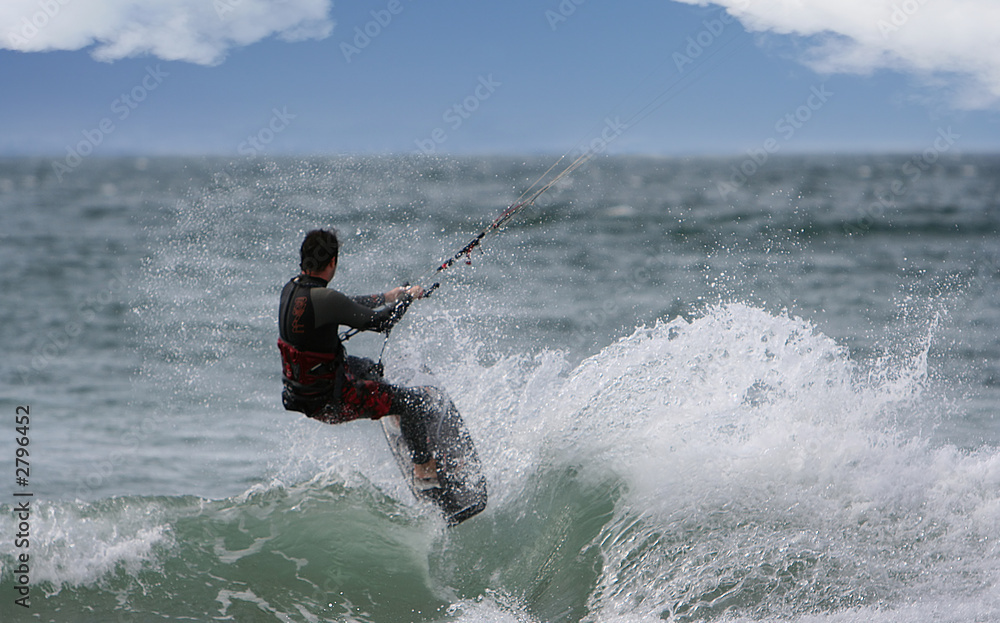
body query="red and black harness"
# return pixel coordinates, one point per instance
(309, 377)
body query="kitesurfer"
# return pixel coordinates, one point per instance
(319, 378)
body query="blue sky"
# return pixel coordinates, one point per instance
(237, 77)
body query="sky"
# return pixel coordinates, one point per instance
(315, 77)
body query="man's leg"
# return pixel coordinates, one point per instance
(374, 399)
(414, 407)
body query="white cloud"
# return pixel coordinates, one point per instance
(949, 43)
(197, 31)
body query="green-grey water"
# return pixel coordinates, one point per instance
(775, 401)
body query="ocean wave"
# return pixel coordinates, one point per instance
(735, 466)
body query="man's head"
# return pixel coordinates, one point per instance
(318, 249)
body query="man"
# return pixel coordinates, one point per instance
(319, 378)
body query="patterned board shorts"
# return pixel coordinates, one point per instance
(359, 399)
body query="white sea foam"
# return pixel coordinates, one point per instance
(764, 467)
(76, 544)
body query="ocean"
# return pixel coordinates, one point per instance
(703, 389)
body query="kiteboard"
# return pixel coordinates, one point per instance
(461, 491)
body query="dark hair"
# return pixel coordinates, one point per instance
(319, 247)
